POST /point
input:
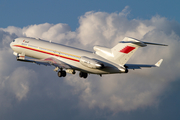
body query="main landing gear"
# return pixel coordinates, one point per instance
(62, 73)
(82, 74)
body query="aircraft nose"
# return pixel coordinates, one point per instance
(11, 44)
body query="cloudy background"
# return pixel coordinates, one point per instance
(29, 91)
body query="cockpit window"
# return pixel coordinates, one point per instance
(13, 40)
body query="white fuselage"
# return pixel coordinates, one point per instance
(41, 49)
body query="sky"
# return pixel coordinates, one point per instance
(29, 91)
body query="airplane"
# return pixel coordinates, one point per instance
(67, 59)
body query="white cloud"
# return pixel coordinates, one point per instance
(18, 81)
(139, 88)
(122, 92)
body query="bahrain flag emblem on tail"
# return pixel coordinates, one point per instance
(127, 49)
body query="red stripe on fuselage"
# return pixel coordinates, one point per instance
(47, 53)
(127, 49)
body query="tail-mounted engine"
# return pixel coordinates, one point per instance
(88, 62)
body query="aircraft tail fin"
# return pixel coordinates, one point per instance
(123, 51)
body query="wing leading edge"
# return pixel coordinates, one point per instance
(139, 66)
(48, 62)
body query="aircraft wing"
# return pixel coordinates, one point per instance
(139, 66)
(47, 62)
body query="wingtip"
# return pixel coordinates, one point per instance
(159, 63)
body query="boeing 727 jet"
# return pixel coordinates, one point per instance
(68, 59)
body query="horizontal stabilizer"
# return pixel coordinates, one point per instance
(154, 44)
(138, 42)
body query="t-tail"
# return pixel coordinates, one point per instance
(123, 51)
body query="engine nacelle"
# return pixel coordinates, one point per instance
(88, 62)
(123, 69)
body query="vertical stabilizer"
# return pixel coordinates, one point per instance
(125, 49)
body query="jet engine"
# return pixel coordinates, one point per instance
(88, 62)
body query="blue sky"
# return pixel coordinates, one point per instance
(37, 93)
(21, 13)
